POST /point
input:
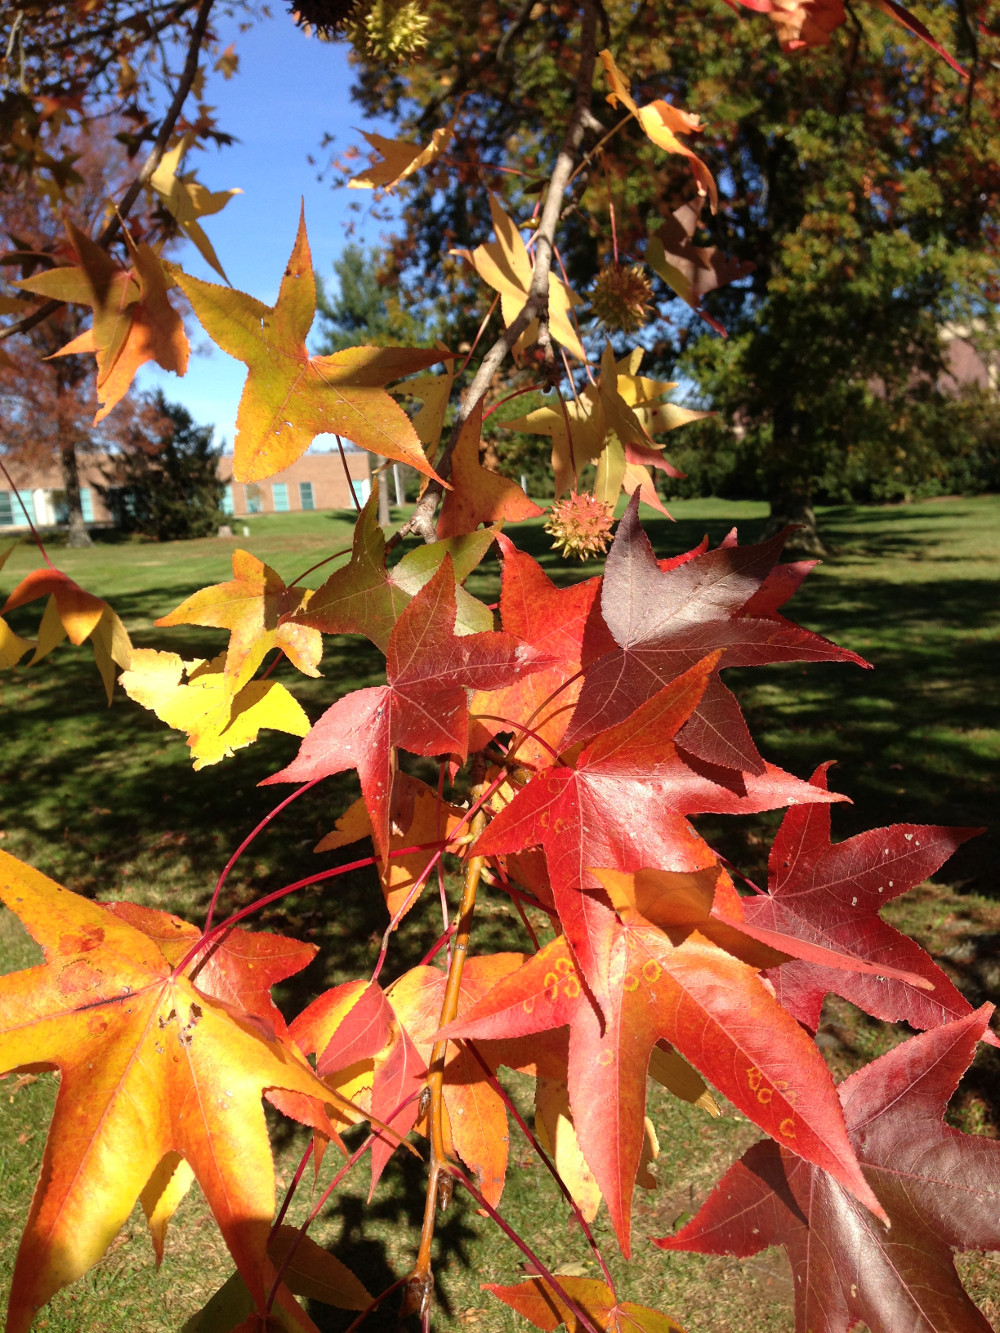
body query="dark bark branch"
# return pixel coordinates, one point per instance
(536, 306)
(28, 322)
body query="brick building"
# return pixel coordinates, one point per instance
(314, 481)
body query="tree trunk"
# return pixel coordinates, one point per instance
(78, 534)
(793, 509)
(384, 517)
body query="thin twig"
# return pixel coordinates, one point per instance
(421, 521)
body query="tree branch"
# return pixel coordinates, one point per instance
(28, 322)
(421, 521)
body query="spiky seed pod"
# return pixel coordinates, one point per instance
(621, 297)
(324, 18)
(581, 525)
(389, 30)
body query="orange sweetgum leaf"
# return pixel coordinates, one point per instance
(662, 123)
(289, 396)
(674, 984)
(153, 1068)
(251, 606)
(400, 159)
(73, 613)
(134, 321)
(539, 1302)
(416, 817)
(479, 495)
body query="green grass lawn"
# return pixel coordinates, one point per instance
(105, 801)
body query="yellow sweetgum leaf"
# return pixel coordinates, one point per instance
(505, 265)
(251, 606)
(622, 404)
(291, 397)
(187, 200)
(194, 697)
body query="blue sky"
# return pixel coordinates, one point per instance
(289, 91)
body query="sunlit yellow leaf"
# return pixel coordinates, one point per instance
(193, 697)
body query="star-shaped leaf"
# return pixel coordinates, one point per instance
(187, 200)
(832, 893)
(622, 404)
(940, 1190)
(538, 1301)
(400, 159)
(252, 606)
(664, 620)
(623, 805)
(669, 981)
(134, 321)
(194, 697)
(73, 613)
(692, 271)
(505, 265)
(662, 123)
(289, 396)
(364, 597)
(423, 707)
(154, 1070)
(478, 495)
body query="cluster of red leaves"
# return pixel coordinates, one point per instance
(602, 727)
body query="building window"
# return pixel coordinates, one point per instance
(251, 494)
(362, 489)
(11, 511)
(86, 504)
(279, 496)
(306, 500)
(226, 503)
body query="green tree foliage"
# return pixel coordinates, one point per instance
(841, 186)
(165, 482)
(366, 309)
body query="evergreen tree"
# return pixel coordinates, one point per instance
(165, 483)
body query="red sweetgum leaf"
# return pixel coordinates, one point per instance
(623, 805)
(563, 622)
(538, 1301)
(251, 606)
(479, 495)
(289, 396)
(676, 985)
(354, 1032)
(154, 1070)
(423, 707)
(831, 894)
(665, 620)
(940, 1190)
